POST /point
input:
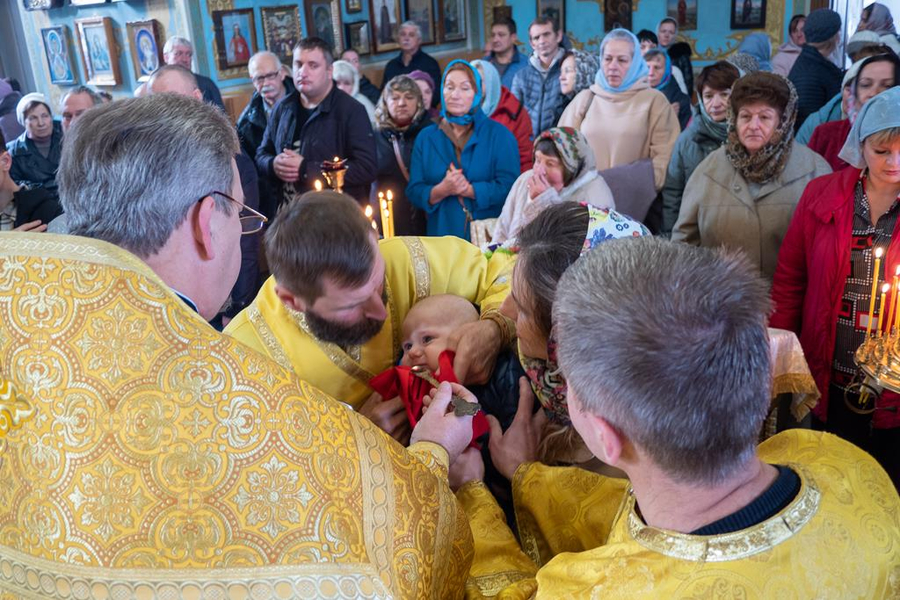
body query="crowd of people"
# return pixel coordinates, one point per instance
(550, 381)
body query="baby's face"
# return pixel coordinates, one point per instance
(423, 343)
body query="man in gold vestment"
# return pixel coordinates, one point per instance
(333, 308)
(665, 352)
(145, 455)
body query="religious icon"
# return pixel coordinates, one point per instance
(684, 12)
(235, 37)
(386, 24)
(452, 19)
(100, 61)
(323, 20)
(56, 47)
(358, 37)
(422, 13)
(146, 54)
(281, 29)
(748, 14)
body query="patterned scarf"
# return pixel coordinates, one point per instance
(573, 150)
(770, 160)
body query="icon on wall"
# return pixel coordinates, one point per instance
(452, 14)
(281, 30)
(748, 14)
(59, 59)
(385, 23)
(235, 37)
(323, 19)
(422, 13)
(684, 12)
(358, 37)
(98, 50)
(146, 53)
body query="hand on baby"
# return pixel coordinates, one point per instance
(476, 345)
(441, 427)
(519, 444)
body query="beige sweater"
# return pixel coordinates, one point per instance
(625, 127)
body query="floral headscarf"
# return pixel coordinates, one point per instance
(403, 84)
(771, 159)
(545, 376)
(573, 149)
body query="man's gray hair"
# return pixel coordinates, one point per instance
(412, 25)
(263, 54)
(177, 40)
(131, 170)
(668, 343)
(185, 74)
(83, 89)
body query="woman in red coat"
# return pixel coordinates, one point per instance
(501, 106)
(821, 288)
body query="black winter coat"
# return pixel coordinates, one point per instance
(817, 81)
(29, 167)
(408, 220)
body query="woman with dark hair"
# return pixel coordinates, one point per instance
(462, 169)
(661, 79)
(743, 195)
(399, 118)
(822, 285)
(547, 246)
(876, 74)
(564, 169)
(707, 132)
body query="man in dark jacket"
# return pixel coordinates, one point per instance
(816, 78)
(504, 54)
(412, 58)
(180, 51)
(321, 122)
(537, 84)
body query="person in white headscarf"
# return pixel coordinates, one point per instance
(346, 78)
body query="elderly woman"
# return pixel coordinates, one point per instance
(462, 169)
(743, 195)
(660, 78)
(823, 280)
(876, 74)
(706, 133)
(547, 246)
(35, 154)
(346, 78)
(576, 73)
(564, 169)
(427, 87)
(399, 117)
(501, 106)
(624, 120)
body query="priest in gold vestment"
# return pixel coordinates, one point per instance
(333, 309)
(145, 455)
(668, 369)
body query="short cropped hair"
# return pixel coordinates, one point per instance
(264, 54)
(318, 235)
(83, 89)
(313, 43)
(686, 376)
(505, 22)
(176, 40)
(645, 35)
(131, 170)
(185, 74)
(545, 20)
(412, 25)
(717, 76)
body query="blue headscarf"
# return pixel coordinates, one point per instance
(880, 113)
(492, 86)
(467, 118)
(638, 69)
(667, 73)
(759, 46)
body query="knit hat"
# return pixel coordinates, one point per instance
(821, 25)
(25, 101)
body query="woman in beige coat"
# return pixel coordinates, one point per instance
(743, 195)
(625, 120)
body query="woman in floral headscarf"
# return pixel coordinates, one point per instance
(744, 194)
(564, 169)
(546, 247)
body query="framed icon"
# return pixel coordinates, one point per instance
(59, 57)
(359, 38)
(323, 19)
(422, 13)
(235, 37)
(98, 50)
(452, 19)
(146, 53)
(354, 6)
(281, 30)
(386, 19)
(748, 14)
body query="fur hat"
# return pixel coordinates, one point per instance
(760, 87)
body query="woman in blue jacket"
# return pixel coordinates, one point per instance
(463, 169)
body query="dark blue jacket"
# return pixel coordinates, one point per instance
(209, 90)
(490, 161)
(518, 62)
(419, 62)
(816, 80)
(29, 167)
(539, 94)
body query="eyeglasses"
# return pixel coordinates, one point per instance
(250, 223)
(265, 77)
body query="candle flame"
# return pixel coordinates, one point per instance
(878, 252)
(337, 159)
(885, 288)
(383, 205)
(318, 185)
(390, 195)
(380, 195)
(368, 211)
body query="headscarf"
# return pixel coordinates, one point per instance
(667, 71)
(861, 39)
(586, 67)
(853, 105)
(492, 86)
(573, 149)
(400, 83)
(759, 46)
(880, 20)
(545, 375)
(469, 117)
(745, 63)
(716, 129)
(418, 75)
(636, 72)
(771, 159)
(344, 70)
(880, 113)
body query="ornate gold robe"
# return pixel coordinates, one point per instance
(839, 538)
(145, 455)
(414, 269)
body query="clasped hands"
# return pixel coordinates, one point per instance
(287, 166)
(454, 183)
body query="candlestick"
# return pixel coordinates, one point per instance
(875, 271)
(884, 290)
(890, 322)
(318, 185)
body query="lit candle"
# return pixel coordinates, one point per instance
(889, 323)
(884, 290)
(386, 226)
(878, 253)
(337, 159)
(390, 208)
(318, 185)
(368, 212)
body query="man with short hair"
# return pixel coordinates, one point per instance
(320, 123)
(174, 457)
(77, 100)
(175, 79)
(817, 79)
(412, 57)
(180, 51)
(648, 40)
(333, 308)
(366, 87)
(504, 54)
(677, 403)
(536, 85)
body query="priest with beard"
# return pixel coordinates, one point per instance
(333, 307)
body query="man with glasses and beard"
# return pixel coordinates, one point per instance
(333, 308)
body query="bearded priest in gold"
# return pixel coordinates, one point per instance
(665, 353)
(333, 309)
(145, 455)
